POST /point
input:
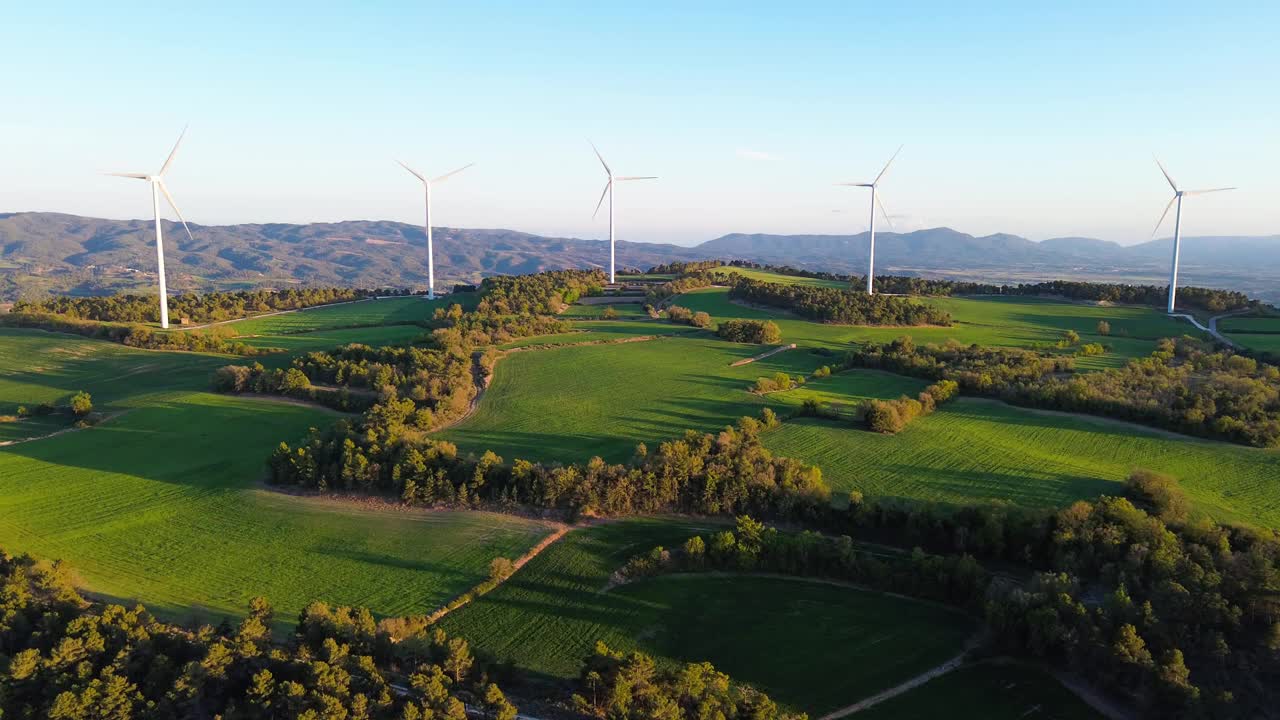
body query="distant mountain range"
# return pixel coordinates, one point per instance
(51, 252)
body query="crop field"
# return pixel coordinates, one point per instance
(604, 330)
(1255, 333)
(989, 690)
(1013, 322)
(809, 645)
(974, 450)
(160, 504)
(595, 312)
(386, 311)
(773, 277)
(301, 342)
(574, 402)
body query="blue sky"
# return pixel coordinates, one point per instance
(1017, 117)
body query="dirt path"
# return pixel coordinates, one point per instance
(763, 355)
(63, 431)
(1094, 699)
(900, 688)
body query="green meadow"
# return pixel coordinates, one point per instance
(1255, 333)
(809, 645)
(989, 690)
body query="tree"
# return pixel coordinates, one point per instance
(610, 313)
(501, 568)
(458, 661)
(81, 404)
(1104, 327)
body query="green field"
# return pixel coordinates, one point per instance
(574, 402)
(773, 277)
(808, 645)
(990, 690)
(594, 312)
(161, 503)
(386, 311)
(1255, 333)
(974, 450)
(1013, 322)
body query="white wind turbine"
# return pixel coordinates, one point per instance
(1177, 227)
(157, 187)
(608, 190)
(875, 200)
(426, 184)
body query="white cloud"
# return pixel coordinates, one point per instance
(754, 154)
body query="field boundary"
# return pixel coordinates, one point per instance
(62, 431)
(763, 355)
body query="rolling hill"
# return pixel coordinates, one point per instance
(52, 252)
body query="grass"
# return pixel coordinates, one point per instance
(574, 402)
(1013, 322)
(1255, 333)
(808, 645)
(386, 311)
(773, 277)
(595, 312)
(989, 690)
(974, 450)
(161, 505)
(602, 330)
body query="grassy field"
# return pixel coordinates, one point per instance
(1255, 333)
(161, 505)
(773, 277)
(1014, 322)
(594, 312)
(387, 311)
(606, 330)
(574, 402)
(986, 691)
(974, 450)
(808, 645)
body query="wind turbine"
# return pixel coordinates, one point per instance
(157, 187)
(426, 184)
(1177, 227)
(608, 190)
(875, 200)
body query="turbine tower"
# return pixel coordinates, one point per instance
(157, 187)
(1178, 194)
(875, 200)
(426, 184)
(608, 190)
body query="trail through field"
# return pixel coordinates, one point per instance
(763, 355)
(901, 688)
(1091, 697)
(62, 431)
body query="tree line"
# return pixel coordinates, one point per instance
(199, 308)
(1184, 385)
(729, 472)
(67, 659)
(680, 285)
(1179, 615)
(545, 293)
(212, 340)
(833, 305)
(1199, 298)
(761, 332)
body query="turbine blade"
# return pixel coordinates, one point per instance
(448, 175)
(1167, 176)
(638, 177)
(169, 160)
(138, 176)
(884, 212)
(602, 162)
(886, 166)
(1202, 192)
(607, 187)
(415, 172)
(853, 184)
(176, 211)
(1163, 215)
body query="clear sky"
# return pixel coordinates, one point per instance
(1032, 118)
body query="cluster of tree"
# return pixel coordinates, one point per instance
(684, 268)
(290, 382)
(977, 369)
(1152, 295)
(212, 340)
(753, 546)
(685, 316)
(833, 305)
(634, 687)
(1173, 610)
(762, 332)
(726, 472)
(682, 284)
(466, 330)
(1183, 386)
(545, 293)
(65, 659)
(778, 382)
(891, 416)
(208, 307)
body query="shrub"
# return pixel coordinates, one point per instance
(1159, 494)
(501, 568)
(610, 313)
(23, 411)
(1104, 327)
(701, 320)
(231, 379)
(81, 404)
(764, 332)
(1091, 349)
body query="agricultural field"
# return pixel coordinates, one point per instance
(1014, 322)
(774, 277)
(363, 313)
(990, 690)
(607, 398)
(585, 331)
(976, 450)
(810, 645)
(162, 505)
(596, 311)
(1255, 333)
